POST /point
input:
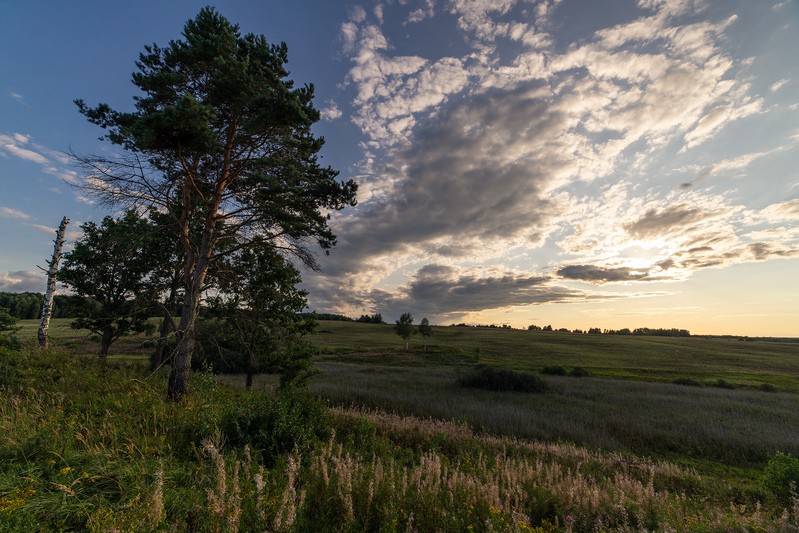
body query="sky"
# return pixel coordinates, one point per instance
(565, 162)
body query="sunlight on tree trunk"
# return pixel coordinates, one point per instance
(47, 306)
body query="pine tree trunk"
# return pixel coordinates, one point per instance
(181, 362)
(167, 325)
(47, 306)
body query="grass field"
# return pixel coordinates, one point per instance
(750, 363)
(405, 448)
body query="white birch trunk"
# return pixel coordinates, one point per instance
(47, 306)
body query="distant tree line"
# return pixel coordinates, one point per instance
(28, 305)
(376, 318)
(651, 332)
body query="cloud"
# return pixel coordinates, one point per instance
(18, 97)
(331, 111)
(777, 85)
(22, 281)
(13, 213)
(657, 222)
(600, 274)
(551, 156)
(12, 145)
(446, 293)
(783, 211)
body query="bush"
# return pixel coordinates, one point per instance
(688, 382)
(275, 425)
(781, 477)
(556, 370)
(489, 378)
(723, 384)
(579, 372)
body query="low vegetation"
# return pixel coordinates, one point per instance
(98, 449)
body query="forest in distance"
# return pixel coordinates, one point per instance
(28, 305)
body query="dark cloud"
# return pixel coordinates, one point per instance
(446, 294)
(597, 274)
(477, 170)
(657, 222)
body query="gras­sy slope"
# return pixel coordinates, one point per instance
(749, 363)
(84, 448)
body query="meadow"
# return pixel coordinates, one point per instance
(387, 440)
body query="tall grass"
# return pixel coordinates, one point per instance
(85, 448)
(733, 426)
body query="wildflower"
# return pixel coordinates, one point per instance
(66, 470)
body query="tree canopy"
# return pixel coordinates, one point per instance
(111, 264)
(221, 133)
(404, 327)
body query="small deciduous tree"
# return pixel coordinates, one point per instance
(111, 264)
(404, 327)
(425, 330)
(259, 305)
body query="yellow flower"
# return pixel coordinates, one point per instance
(66, 470)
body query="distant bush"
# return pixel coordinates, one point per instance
(489, 378)
(781, 477)
(723, 384)
(768, 387)
(688, 382)
(579, 372)
(556, 370)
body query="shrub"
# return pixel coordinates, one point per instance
(723, 384)
(8, 326)
(781, 477)
(688, 382)
(275, 425)
(579, 372)
(486, 377)
(556, 370)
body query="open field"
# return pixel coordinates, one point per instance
(743, 362)
(406, 447)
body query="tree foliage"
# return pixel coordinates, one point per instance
(404, 327)
(258, 306)
(111, 264)
(425, 330)
(8, 325)
(223, 133)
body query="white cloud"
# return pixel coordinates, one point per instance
(331, 111)
(11, 145)
(470, 159)
(776, 86)
(13, 213)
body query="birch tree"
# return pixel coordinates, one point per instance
(52, 275)
(220, 130)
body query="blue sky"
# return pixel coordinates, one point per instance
(520, 161)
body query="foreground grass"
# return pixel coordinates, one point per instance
(90, 449)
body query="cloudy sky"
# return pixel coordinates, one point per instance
(566, 162)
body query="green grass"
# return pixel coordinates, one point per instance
(657, 419)
(90, 448)
(749, 363)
